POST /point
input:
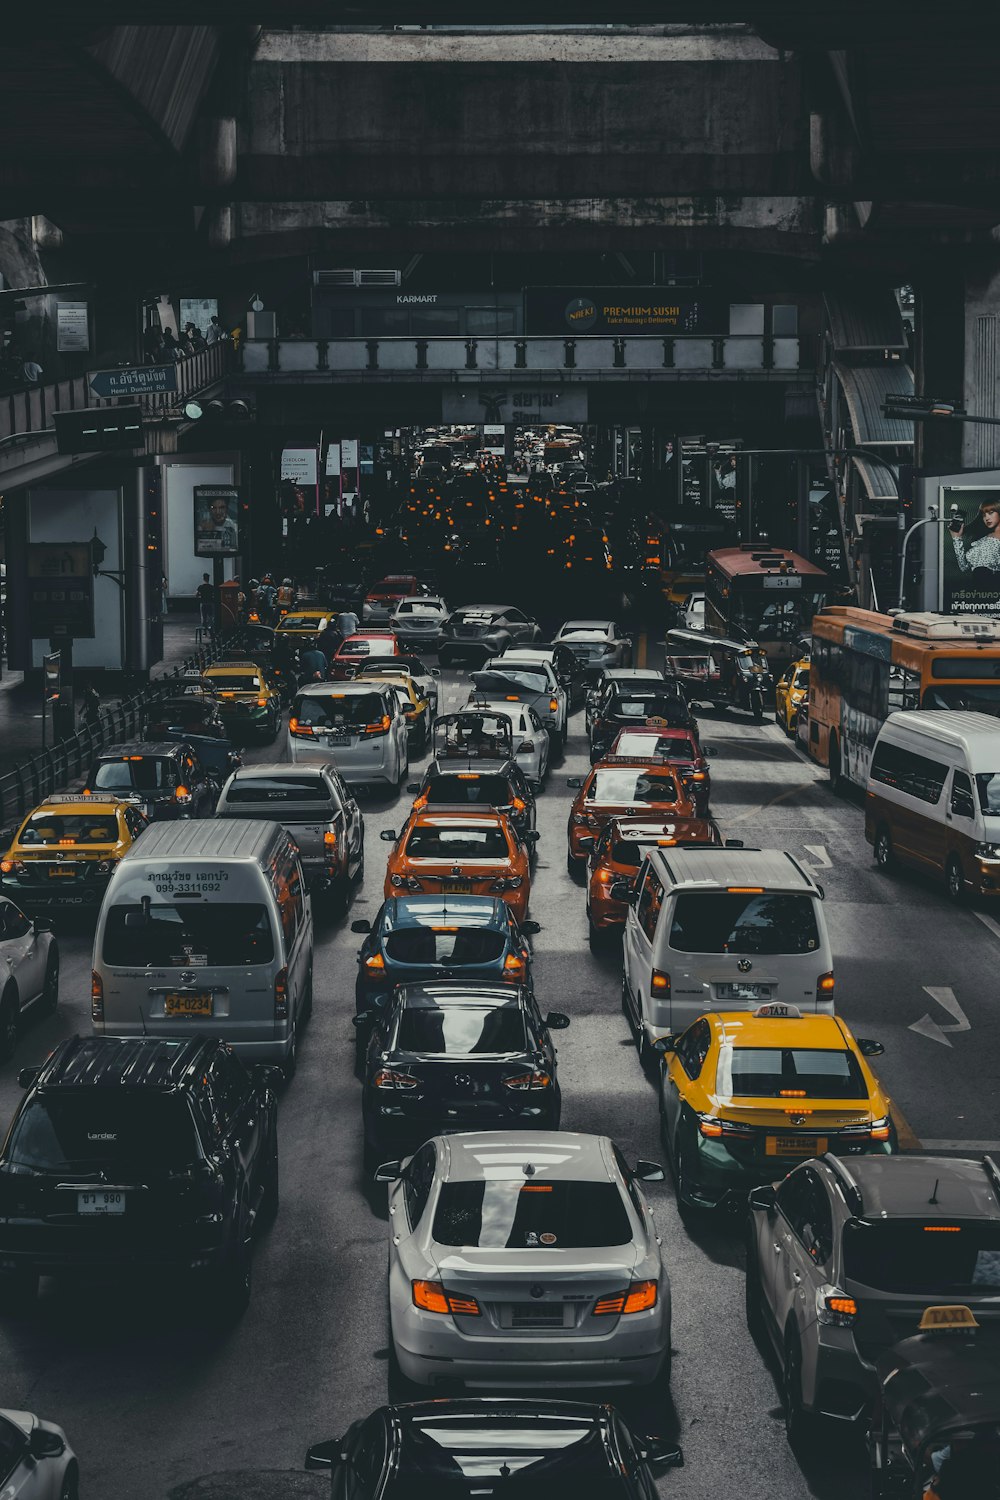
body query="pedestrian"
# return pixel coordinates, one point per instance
(205, 594)
(329, 639)
(313, 664)
(31, 369)
(215, 331)
(267, 600)
(171, 348)
(347, 623)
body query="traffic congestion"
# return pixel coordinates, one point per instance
(492, 971)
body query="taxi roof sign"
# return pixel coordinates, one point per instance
(948, 1318)
(777, 1010)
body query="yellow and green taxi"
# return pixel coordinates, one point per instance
(248, 702)
(412, 700)
(745, 1095)
(66, 850)
(301, 627)
(791, 692)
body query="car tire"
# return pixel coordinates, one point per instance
(882, 849)
(18, 1291)
(598, 938)
(70, 1489)
(681, 1185)
(753, 1297)
(574, 867)
(271, 1186)
(50, 987)
(291, 1063)
(799, 1424)
(836, 775)
(10, 1016)
(234, 1280)
(954, 880)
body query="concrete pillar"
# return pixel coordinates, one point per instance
(217, 158)
(958, 359)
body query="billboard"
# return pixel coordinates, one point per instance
(621, 310)
(969, 573)
(216, 520)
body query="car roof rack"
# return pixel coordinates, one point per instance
(846, 1181)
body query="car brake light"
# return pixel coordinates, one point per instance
(640, 1297)
(301, 731)
(96, 996)
(710, 1128)
(394, 1078)
(825, 984)
(419, 802)
(513, 964)
(432, 1297)
(183, 794)
(381, 726)
(881, 1130)
(942, 1229)
(330, 838)
(518, 805)
(281, 995)
(521, 1082)
(6, 866)
(375, 961)
(554, 705)
(834, 1308)
(660, 982)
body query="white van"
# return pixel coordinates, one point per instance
(933, 798)
(206, 930)
(721, 929)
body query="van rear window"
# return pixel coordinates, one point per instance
(339, 711)
(728, 922)
(189, 935)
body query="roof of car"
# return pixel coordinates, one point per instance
(455, 911)
(570, 1156)
(67, 801)
(512, 708)
(116, 1062)
(483, 609)
(134, 750)
(632, 674)
(458, 992)
(285, 769)
(205, 838)
(232, 666)
(720, 869)
(601, 626)
(975, 733)
(919, 1186)
(742, 1028)
(340, 689)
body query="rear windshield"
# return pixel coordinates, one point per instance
(659, 707)
(144, 774)
(457, 843)
(455, 946)
(488, 791)
(487, 1454)
(361, 646)
(669, 746)
(189, 935)
(629, 852)
(339, 710)
(727, 922)
(280, 789)
(104, 1130)
(69, 828)
(190, 710)
(776, 1072)
(627, 784)
(920, 1257)
(511, 679)
(245, 682)
(519, 1215)
(459, 1029)
(302, 622)
(419, 607)
(587, 649)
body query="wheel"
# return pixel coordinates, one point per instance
(18, 1291)
(753, 1296)
(955, 880)
(596, 937)
(836, 779)
(71, 1484)
(681, 1185)
(10, 1015)
(757, 707)
(271, 1195)
(307, 999)
(798, 1422)
(884, 857)
(291, 1062)
(574, 866)
(234, 1279)
(50, 989)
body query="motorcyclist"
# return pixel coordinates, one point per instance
(286, 595)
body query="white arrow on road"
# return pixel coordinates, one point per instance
(946, 999)
(819, 854)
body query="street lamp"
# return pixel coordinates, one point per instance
(933, 519)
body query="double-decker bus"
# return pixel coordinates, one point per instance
(761, 593)
(865, 665)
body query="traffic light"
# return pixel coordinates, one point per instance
(99, 429)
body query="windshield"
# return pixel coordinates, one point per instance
(140, 772)
(468, 787)
(278, 788)
(184, 711)
(457, 843)
(776, 1072)
(303, 622)
(106, 1130)
(244, 682)
(918, 1257)
(69, 828)
(189, 935)
(988, 783)
(626, 784)
(970, 697)
(759, 616)
(461, 1029)
(731, 922)
(362, 646)
(523, 1215)
(347, 711)
(451, 946)
(501, 679)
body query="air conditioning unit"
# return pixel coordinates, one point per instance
(931, 627)
(345, 276)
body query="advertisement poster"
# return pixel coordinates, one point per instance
(619, 310)
(216, 520)
(299, 465)
(970, 550)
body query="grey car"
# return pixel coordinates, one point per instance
(609, 676)
(478, 631)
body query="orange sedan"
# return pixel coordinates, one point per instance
(616, 854)
(622, 786)
(471, 854)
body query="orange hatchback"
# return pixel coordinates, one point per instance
(469, 854)
(622, 786)
(616, 854)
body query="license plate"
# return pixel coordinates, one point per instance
(100, 1203)
(743, 991)
(795, 1145)
(187, 1004)
(338, 739)
(63, 870)
(460, 887)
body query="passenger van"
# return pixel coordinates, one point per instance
(933, 798)
(721, 929)
(208, 932)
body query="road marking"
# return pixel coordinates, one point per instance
(987, 1147)
(641, 646)
(927, 1027)
(989, 922)
(818, 851)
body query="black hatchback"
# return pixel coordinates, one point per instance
(495, 1446)
(168, 779)
(664, 704)
(447, 1057)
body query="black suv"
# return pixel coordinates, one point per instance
(169, 779)
(500, 784)
(138, 1154)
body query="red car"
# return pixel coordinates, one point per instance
(382, 597)
(356, 649)
(679, 748)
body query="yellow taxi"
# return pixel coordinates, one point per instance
(301, 627)
(414, 703)
(745, 1095)
(66, 851)
(248, 703)
(791, 691)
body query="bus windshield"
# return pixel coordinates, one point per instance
(760, 616)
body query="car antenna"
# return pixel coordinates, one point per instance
(528, 1169)
(934, 1197)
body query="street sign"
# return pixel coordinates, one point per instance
(144, 380)
(60, 589)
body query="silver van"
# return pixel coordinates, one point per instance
(721, 929)
(206, 930)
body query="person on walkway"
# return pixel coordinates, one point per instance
(205, 594)
(171, 348)
(31, 370)
(215, 331)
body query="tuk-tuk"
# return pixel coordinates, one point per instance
(935, 1428)
(475, 735)
(714, 669)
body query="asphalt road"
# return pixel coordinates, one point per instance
(153, 1401)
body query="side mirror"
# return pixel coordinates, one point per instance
(325, 1456)
(389, 1171)
(822, 892)
(734, 843)
(363, 1018)
(869, 1047)
(44, 1444)
(664, 1045)
(531, 927)
(435, 671)
(388, 835)
(27, 1076)
(587, 842)
(574, 782)
(762, 1197)
(362, 924)
(531, 837)
(412, 787)
(656, 1450)
(41, 924)
(620, 890)
(649, 1171)
(556, 1021)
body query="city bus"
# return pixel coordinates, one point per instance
(766, 594)
(866, 665)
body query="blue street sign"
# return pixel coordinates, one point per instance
(149, 380)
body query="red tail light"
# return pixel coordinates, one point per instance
(281, 995)
(639, 1297)
(96, 996)
(660, 983)
(381, 726)
(301, 731)
(432, 1297)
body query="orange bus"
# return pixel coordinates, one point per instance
(865, 665)
(766, 594)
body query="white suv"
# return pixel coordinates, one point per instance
(359, 726)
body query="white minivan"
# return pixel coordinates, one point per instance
(721, 929)
(206, 930)
(359, 726)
